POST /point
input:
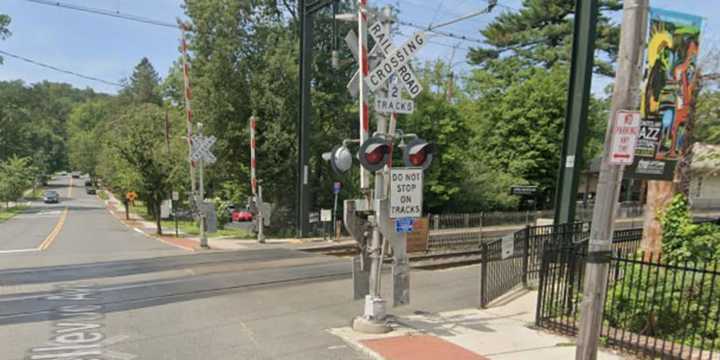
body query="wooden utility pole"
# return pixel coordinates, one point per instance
(625, 96)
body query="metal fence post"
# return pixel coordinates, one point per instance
(436, 222)
(482, 215)
(526, 256)
(483, 274)
(467, 220)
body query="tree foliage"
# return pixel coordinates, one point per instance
(143, 85)
(16, 176)
(708, 118)
(541, 33)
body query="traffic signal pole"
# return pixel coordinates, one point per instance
(625, 96)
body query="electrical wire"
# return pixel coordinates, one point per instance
(37, 63)
(111, 13)
(400, 33)
(442, 33)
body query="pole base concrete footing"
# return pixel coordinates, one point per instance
(370, 326)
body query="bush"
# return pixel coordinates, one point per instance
(685, 241)
(665, 303)
(222, 213)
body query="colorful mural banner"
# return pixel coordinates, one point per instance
(667, 91)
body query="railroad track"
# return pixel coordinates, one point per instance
(429, 260)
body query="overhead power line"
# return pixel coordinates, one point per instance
(111, 13)
(442, 33)
(37, 63)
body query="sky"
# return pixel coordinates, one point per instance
(108, 48)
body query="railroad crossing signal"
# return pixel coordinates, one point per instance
(418, 153)
(374, 153)
(201, 148)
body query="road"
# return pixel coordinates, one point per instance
(99, 290)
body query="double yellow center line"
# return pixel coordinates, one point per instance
(55, 232)
(58, 227)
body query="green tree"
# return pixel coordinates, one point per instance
(517, 115)
(540, 33)
(4, 31)
(143, 85)
(16, 176)
(85, 127)
(137, 151)
(708, 118)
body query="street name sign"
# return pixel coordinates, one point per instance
(625, 131)
(406, 192)
(395, 60)
(523, 190)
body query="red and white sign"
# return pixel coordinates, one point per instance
(625, 131)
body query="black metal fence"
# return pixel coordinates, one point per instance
(653, 308)
(502, 272)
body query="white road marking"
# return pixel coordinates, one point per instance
(18, 251)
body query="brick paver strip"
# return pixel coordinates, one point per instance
(419, 347)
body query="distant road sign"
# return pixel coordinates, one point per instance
(406, 192)
(325, 215)
(313, 217)
(404, 225)
(523, 190)
(625, 131)
(336, 187)
(201, 148)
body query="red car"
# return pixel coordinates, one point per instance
(241, 216)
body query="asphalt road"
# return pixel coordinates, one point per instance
(85, 234)
(99, 290)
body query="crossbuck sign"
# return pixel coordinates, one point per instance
(201, 148)
(384, 47)
(396, 60)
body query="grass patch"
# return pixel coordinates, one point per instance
(191, 228)
(7, 214)
(102, 195)
(33, 194)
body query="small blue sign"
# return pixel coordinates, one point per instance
(404, 225)
(336, 187)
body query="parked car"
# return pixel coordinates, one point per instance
(51, 197)
(76, 174)
(241, 216)
(90, 190)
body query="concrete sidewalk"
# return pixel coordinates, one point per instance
(503, 331)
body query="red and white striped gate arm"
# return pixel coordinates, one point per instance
(253, 179)
(188, 99)
(364, 69)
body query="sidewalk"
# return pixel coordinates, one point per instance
(502, 331)
(192, 243)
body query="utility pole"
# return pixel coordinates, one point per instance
(625, 96)
(188, 106)
(576, 113)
